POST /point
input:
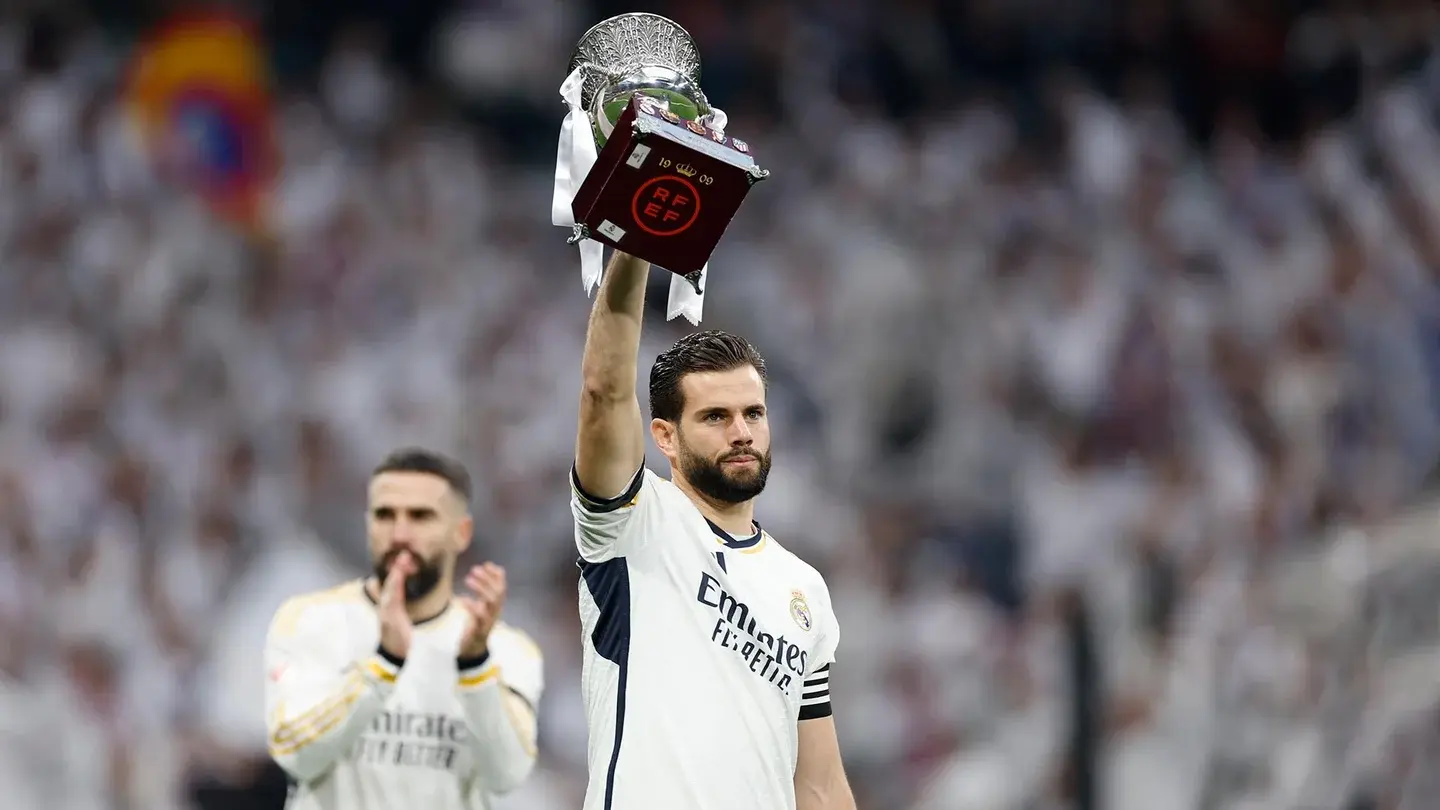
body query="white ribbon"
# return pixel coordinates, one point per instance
(572, 162)
(574, 157)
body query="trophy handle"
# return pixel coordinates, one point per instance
(579, 232)
(591, 66)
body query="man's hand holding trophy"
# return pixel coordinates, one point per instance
(666, 179)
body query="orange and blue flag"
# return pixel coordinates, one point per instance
(199, 92)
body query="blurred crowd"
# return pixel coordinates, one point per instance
(1064, 361)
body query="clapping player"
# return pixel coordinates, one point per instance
(708, 645)
(393, 691)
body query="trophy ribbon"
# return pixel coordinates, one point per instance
(575, 155)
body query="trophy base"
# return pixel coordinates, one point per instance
(664, 189)
(580, 233)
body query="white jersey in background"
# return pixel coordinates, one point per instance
(357, 732)
(702, 653)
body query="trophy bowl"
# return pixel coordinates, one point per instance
(638, 53)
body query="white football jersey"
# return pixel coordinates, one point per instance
(359, 731)
(702, 654)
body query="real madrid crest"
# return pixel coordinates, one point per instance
(800, 610)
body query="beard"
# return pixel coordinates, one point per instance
(419, 584)
(711, 478)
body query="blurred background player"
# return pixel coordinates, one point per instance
(708, 646)
(393, 691)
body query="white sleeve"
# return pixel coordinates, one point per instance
(521, 662)
(815, 691)
(503, 733)
(316, 706)
(609, 528)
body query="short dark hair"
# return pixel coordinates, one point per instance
(420, 460)
(696, 353)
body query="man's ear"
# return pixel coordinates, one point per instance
(664, 434)
(464, 533)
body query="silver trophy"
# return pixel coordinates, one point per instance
(668, 178)
(638, 53)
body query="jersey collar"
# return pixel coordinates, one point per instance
(730, 541)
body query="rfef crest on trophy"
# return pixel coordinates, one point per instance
(667, 181)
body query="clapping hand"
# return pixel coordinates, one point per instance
(482, 607)
(396, 628)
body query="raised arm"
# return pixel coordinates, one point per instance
(610, 445)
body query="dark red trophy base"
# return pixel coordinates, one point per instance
(664, 189)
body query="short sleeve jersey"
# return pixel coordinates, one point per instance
(703, 652)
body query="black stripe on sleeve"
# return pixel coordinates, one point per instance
(815, 695)
(820, 675)
(392, 660)
(815, 711)
(463, 664)
(603, 505)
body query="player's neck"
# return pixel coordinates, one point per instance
(736, 518)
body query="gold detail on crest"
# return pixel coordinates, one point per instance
(800, 610)
(686, 170)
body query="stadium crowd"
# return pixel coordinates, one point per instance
(1041, 360)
